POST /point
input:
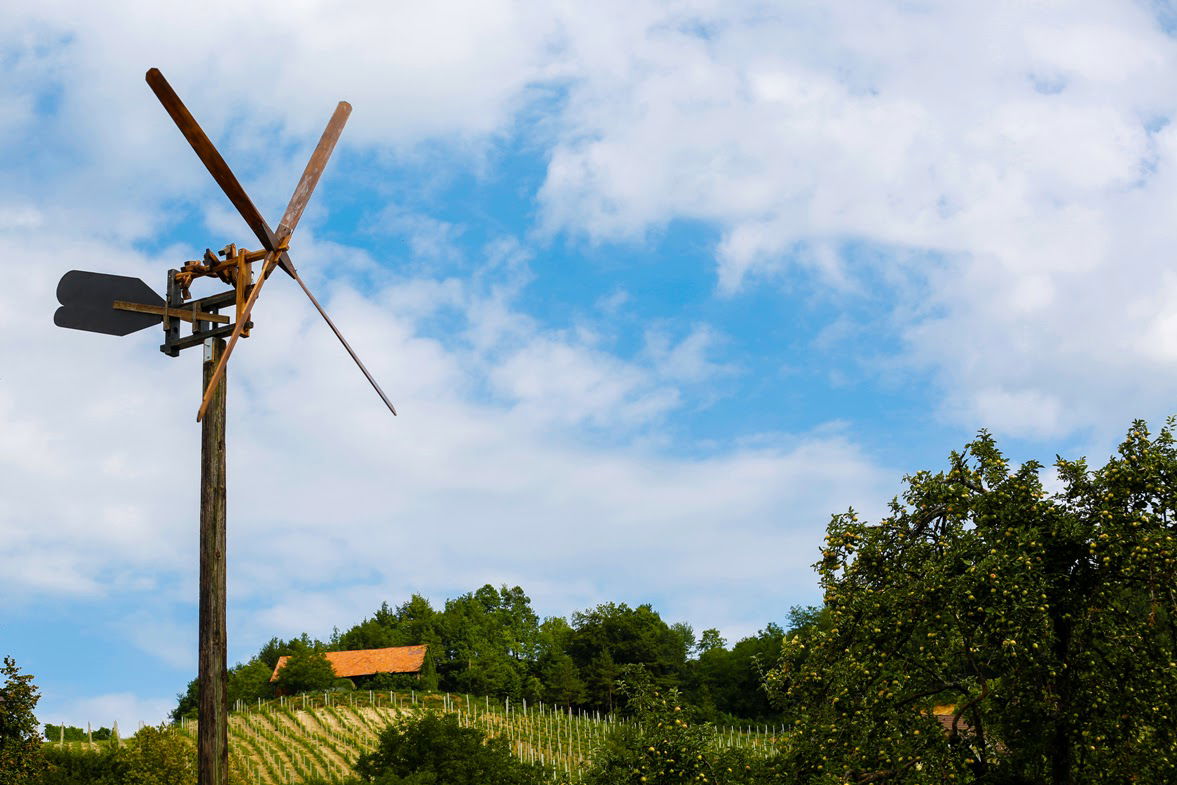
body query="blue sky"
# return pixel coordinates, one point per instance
(656, 287)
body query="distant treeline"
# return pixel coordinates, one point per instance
(490, 642)
(72, 733)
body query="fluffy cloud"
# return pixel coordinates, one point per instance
(999, 174)
(1013, 160)
(130, 711)
(513, 443)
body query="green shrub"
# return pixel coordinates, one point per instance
(432, 749)
(402, 682)
(153, 756)
(663, 744)
(161, 756)
(106, 765)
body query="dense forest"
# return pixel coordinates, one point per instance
(491, 642)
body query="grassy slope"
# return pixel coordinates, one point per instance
(287, 741)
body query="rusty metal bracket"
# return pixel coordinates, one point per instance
(235, 267)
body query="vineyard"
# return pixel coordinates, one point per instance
(289, 740)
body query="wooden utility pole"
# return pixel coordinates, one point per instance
(212, 746)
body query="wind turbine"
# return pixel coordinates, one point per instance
(120, 305)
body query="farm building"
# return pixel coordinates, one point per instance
(369, 662)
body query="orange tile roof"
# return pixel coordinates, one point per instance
(945, 715)
(365, 662)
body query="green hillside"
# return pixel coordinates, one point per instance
(291, 740)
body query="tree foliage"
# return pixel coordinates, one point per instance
(20, 743)
(490, 637)
(160, 756)
(67, 765)
(153, 756)
(612, 635)
(249, 681)
(188, 702)
(433, 749)
(490, 642)
(1043, 626)
(74, 733)
(728, 682)
(306, 671)
(665, 745)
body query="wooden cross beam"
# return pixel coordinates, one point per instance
(171, 313)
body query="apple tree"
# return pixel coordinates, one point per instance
(20, 741)
(987, 630)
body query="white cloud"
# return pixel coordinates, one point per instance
(690, 360)
(127, 709)
(526, 457)
(1024, 146)
(412, 74)
(550, 380)
(1014, 161)
(1029, 412)
(1018, 145)
(153, 629)
(429, 240)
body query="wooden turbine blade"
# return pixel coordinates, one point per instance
(298, 203)
(346, 345)
(294, 209)
(314, 169)
(215, 164)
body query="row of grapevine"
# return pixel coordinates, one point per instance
(290, 739)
